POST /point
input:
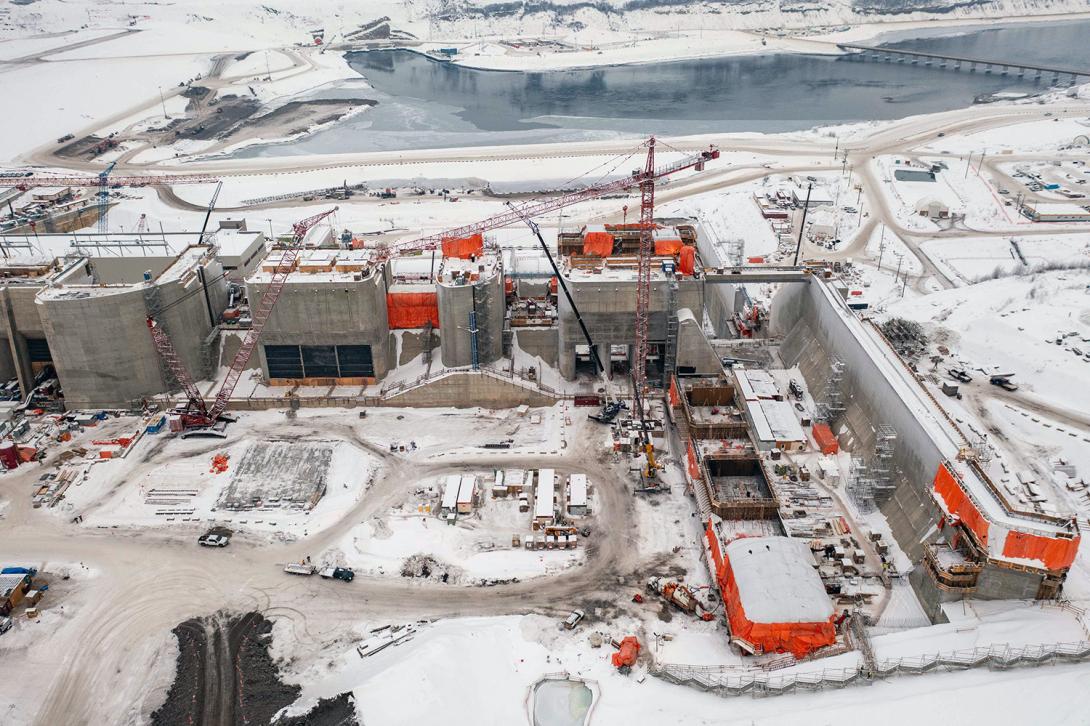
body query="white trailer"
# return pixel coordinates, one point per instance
(450, 494)
(577, 495)
(467, 493)
(545, 497)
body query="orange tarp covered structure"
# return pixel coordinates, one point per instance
(1056, 554)
(958, 504)
(797, 638)
(686, 263)
(668, 246)
(628, 652)
(675, 397)
(599, 244)
(463, 247)
(826, 440)
(405, 310)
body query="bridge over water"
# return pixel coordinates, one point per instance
(957, 63)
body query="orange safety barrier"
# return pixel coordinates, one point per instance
(599, 244)
(405, 310)
(552, 285)
(799, 639)
(958, 503)
(463, 247)
(717, 556)
(826, 440)
(675, 397)
(1056, 554)
(686, 263)
(694, 466)
(668, 246)
(508, 286)
(755, 260)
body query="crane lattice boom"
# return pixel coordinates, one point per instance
(534, 209)
(197, 413)
(643, 275)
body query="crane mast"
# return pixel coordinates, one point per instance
(196, 413)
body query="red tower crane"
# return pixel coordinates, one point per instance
(23, 183)
(640, 178)
(196, 414)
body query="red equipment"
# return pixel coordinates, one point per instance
(196, 413)
(626, 655)
(533, 209)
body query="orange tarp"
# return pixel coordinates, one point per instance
(675, 399)
(599, 244)
(959, 505)
(798, 639)
(1056, 554)
(628, 652)
(412, 309)
(668, 246)
(687, 260)
(463, 247)
(825, 439)
(717, 557)
(694, 467)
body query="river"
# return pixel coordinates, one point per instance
(424, 103)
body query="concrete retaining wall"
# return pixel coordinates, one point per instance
(455, 304)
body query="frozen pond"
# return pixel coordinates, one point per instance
(561, 703)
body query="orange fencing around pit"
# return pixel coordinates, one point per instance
(463, 247)
(408, 310)
(599, 244)
(1056, 554)
(959, 505)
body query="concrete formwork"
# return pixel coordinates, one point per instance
(455, 304)
(98, 335)
(608, 308)
(342, 309)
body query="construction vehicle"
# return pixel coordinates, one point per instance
(628, 650)
(344, 574)
(197, 417)
(680, 596)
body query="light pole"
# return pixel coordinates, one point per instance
(163, 101)
(271, 235)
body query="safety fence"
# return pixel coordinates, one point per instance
(727, 681)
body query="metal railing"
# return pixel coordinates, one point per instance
(724, 680)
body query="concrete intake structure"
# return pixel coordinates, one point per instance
(94, 316)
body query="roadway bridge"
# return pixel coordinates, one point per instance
(957, 63)
(758, 273)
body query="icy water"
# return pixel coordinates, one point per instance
(429, 104)
(561, 703)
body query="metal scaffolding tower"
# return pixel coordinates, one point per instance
(833, 402)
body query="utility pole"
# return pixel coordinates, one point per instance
(881, 247)
(802, 226)
(968, 163)
(904, 284)
(163, 101)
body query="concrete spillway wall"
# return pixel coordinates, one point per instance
(455, 304)
(608, 308)
(344, 311)
(816, 332)
(99, 339)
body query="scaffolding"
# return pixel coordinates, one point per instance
(872, 484)
(833, 402)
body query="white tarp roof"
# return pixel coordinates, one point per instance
(546, 491)
(777, 582)
(450, 491)
(577, 490)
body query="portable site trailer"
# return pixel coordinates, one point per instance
(467, 493)
(450, 494)
(577, 495)
(545, 497)
(513, 480)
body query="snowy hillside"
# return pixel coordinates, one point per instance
(237, 25)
